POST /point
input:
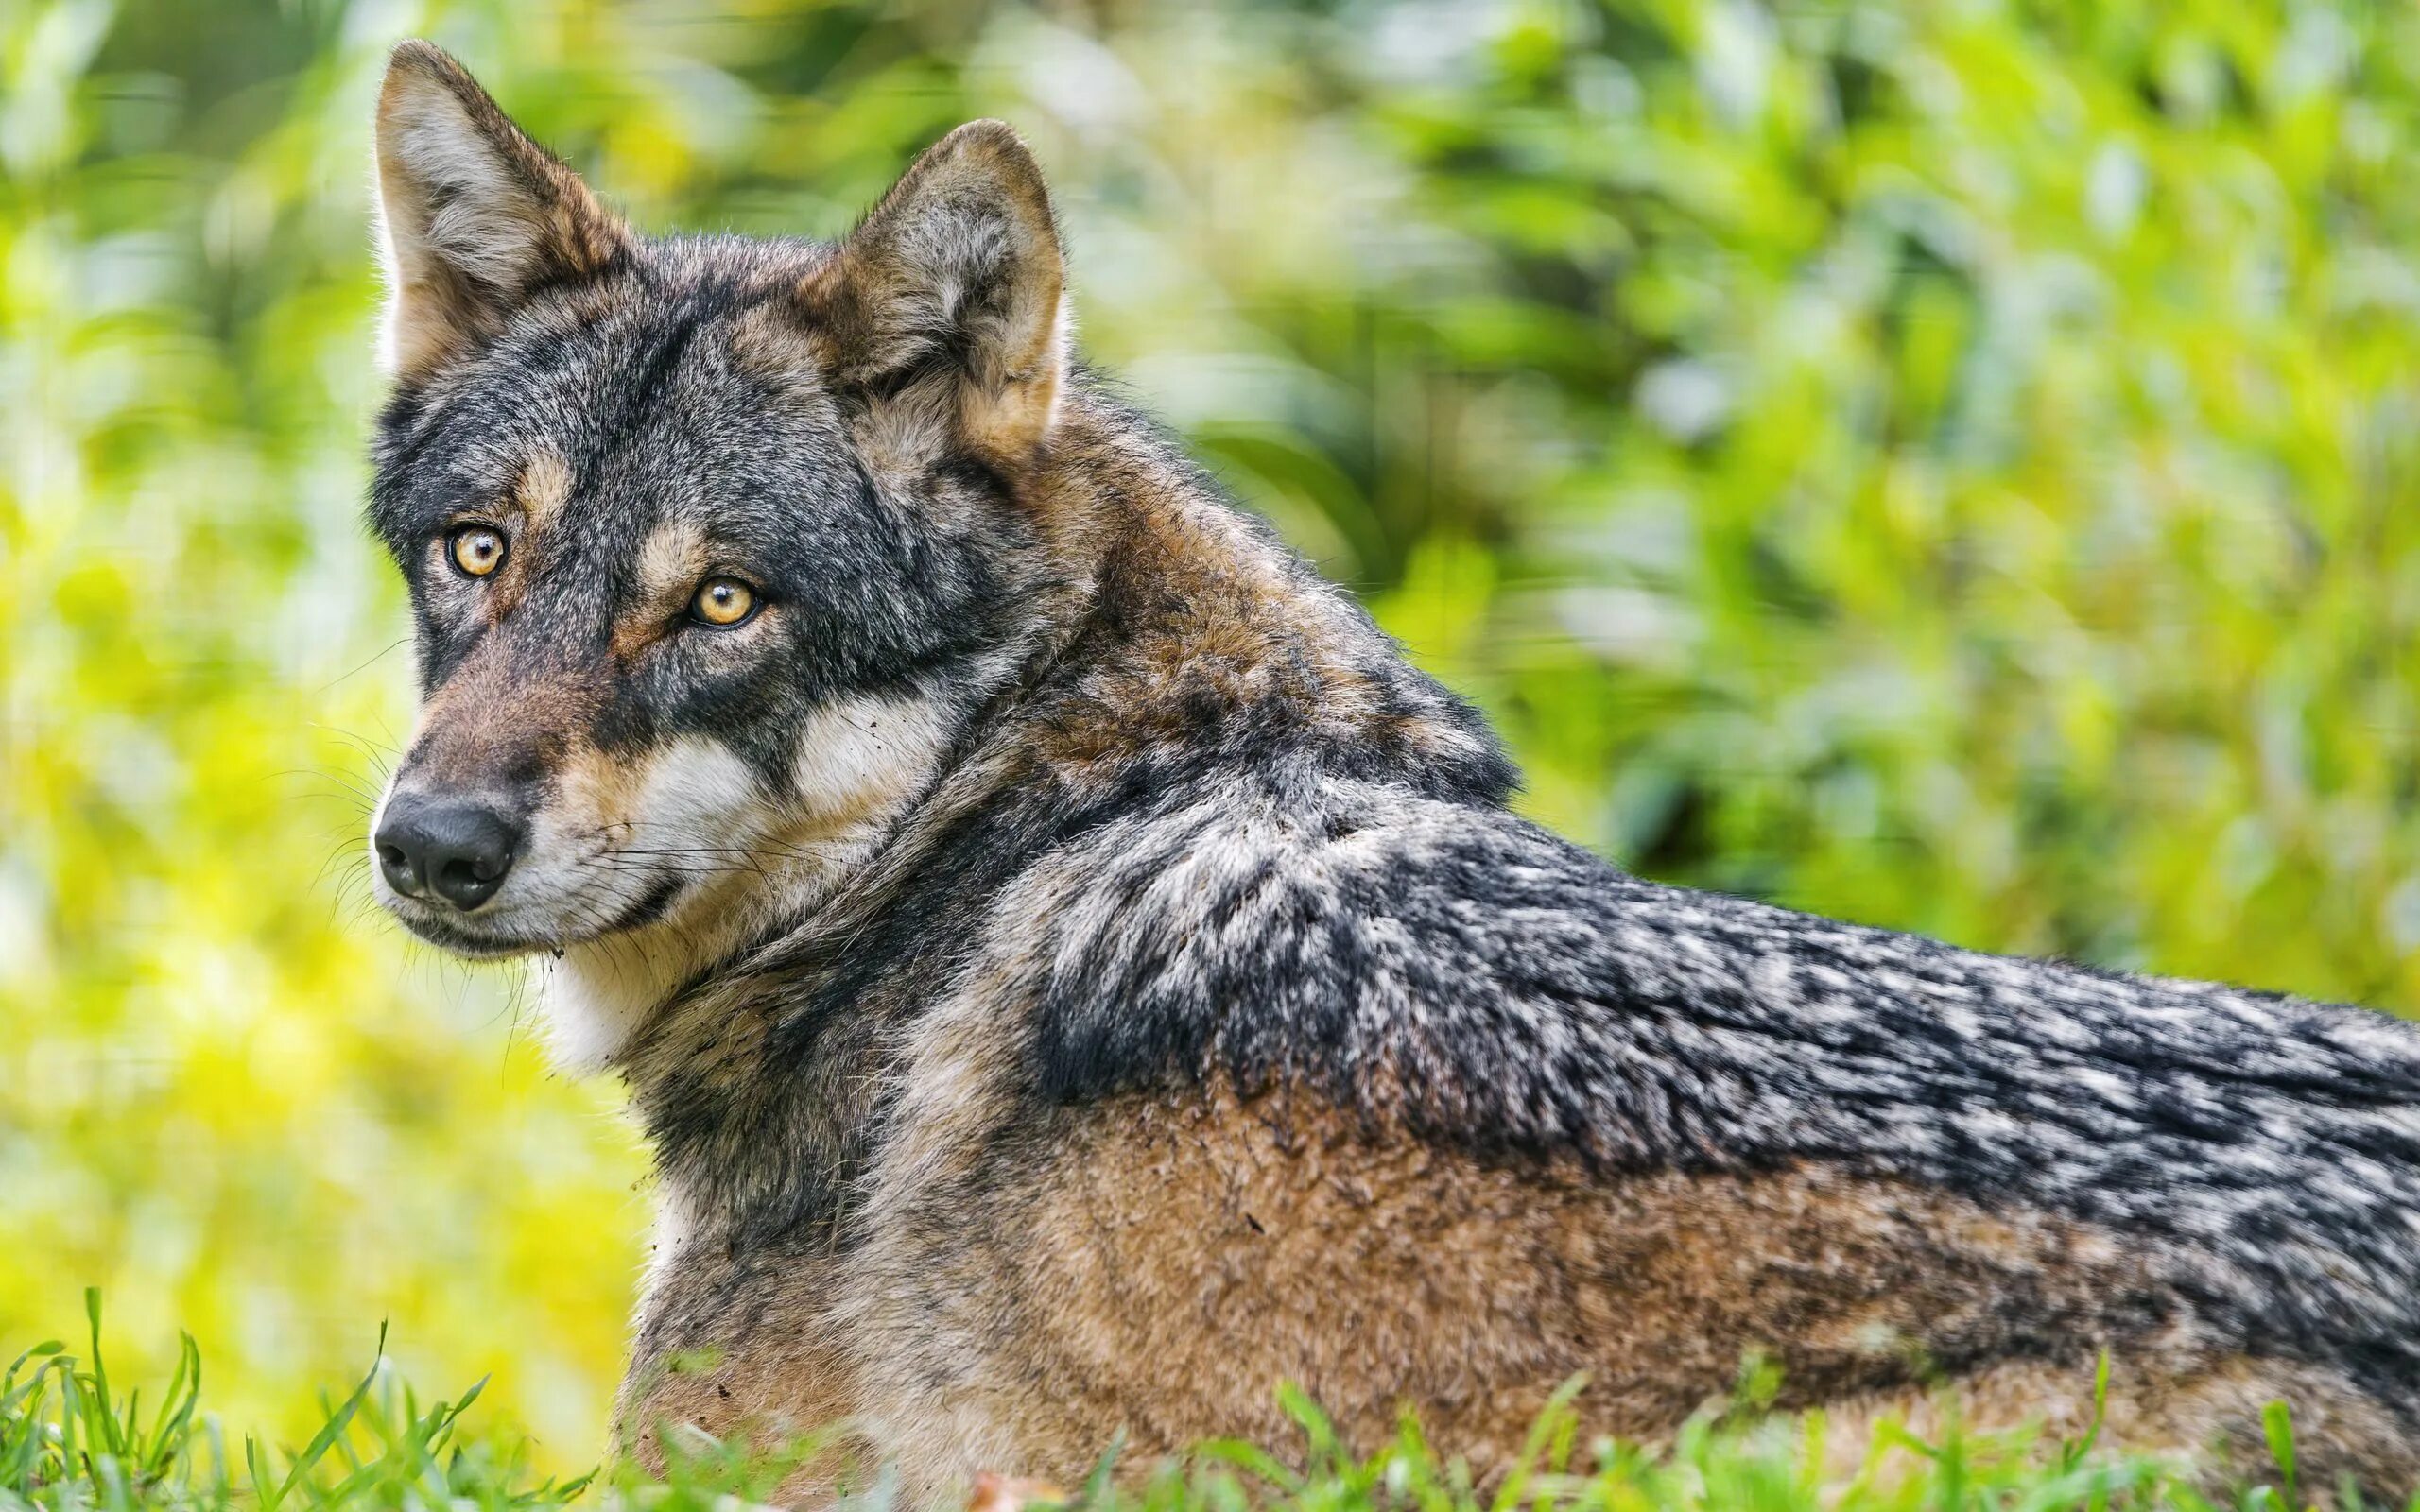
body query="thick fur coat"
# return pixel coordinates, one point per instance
(1075, 973)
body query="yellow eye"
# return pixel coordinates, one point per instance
(478, 550)
(723, 601)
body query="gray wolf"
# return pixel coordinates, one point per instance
(1074, 972)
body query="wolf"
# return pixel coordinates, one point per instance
(1075, 973)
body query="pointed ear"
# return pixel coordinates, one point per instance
(959, 269)
(474, 217)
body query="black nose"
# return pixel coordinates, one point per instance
(458, 849)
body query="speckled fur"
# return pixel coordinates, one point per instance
(1132, 990)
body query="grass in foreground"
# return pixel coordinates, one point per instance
(69, 1441)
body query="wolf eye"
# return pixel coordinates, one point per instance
(477, 550)
(722, 602)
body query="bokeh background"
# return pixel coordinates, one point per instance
(1946, 463)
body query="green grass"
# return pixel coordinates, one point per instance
(71, 1441)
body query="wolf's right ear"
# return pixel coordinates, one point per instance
(958, 269)
(473, 216)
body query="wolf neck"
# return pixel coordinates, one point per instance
(600, 992)
(1188, 648)
(876, 762)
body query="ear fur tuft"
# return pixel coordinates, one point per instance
(474, 217)
(958, 266)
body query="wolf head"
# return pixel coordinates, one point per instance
(713, 545)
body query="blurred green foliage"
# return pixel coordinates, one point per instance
(1941, 462)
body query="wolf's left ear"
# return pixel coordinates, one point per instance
(474, 217)
(958, 269)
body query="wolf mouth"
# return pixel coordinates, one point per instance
(456, 935)
(476, 944)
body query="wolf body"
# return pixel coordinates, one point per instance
(1075, 973)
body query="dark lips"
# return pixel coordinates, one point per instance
(434, 929)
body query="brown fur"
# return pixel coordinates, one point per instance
(1155, 1267)
(1157, 1264)
(534, 711)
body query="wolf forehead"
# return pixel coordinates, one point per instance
(684, 384)
(635, 432)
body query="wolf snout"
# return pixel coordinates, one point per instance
(451, 848)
